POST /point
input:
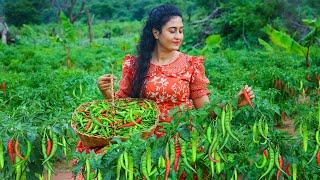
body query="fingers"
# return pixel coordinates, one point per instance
(248, 89)
(105, 78)
(105, 82)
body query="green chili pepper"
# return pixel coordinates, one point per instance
(294, 171)
(223, 114)
(228, 128)
(271, 163)
(305, 137)
(208, 133)
(144, 166)
(64, 143)
(254, 133)
(317, 137)
(262, 132)
(314, 154)
(54, 146)
(172, 151)
(218, 163)
(148, 159)
(184, 155)
(194, 145)
(18, 168)
(161, 162)
(88, 169)
(100, 175)
(120, 160)
(263, 164)
(1, 155)
(130, 166)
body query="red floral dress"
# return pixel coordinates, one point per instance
(170, 85)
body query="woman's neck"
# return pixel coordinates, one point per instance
(163, 56)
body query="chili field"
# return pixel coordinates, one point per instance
(45, 77)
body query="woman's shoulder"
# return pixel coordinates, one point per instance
(194, 60)
(129, 60)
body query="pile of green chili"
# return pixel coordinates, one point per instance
(125, 117)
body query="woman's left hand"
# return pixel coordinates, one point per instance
(242, 100)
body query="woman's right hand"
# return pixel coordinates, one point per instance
(105, 83)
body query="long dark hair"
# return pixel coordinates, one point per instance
(158, 17)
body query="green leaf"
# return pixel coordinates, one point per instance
(213, 41)
(266, 45)
(309, 22)
(310, 37)
(67, 28)
(285, 41)
(312, 22)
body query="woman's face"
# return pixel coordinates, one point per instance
(172, 34)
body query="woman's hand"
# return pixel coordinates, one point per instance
(105, 84)
(242, 100)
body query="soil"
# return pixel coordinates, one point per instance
(63, 171)
(288, 126)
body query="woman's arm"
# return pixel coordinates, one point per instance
(199, 102)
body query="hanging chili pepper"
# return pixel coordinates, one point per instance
(64, 143)
(119, 162)
(178, 153)
(271, 163)
(1, 155)
(254, 133)
(263, 164)
(148, 159)
(279, 165)
(16, 150)
(18, 168)
(265, 153)
(144, 166)
(54, 146)
(294, 171)
(287, 169)
(167, 162)
(194, 145)
(184, 155)
(49, 146)
(88, 169)
(318, 158)
(11, 150)
(130, 166)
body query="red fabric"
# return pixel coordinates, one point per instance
(80, 148)
(171, 85)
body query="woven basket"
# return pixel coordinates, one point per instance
(101, 141)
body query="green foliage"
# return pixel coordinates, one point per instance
(285, 41)
(314, 24)
(102, 10)
(42, 94)
(265, 45)
(212, 43)
(24, 11)
(68, 30)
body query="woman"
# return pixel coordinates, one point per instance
(161, 72)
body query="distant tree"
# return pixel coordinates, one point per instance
(21, 12)
(102, 10)
(70, 7)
